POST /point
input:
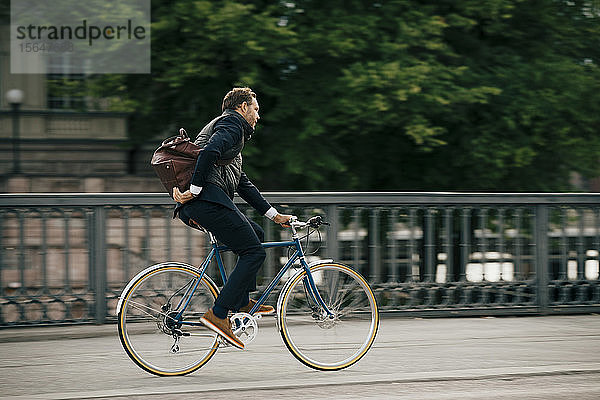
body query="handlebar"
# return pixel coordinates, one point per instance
(313, 222)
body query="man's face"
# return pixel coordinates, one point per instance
(250, 112)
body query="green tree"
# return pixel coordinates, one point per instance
(200, 49)
(370, 95)
(542, 126)
(390, 95)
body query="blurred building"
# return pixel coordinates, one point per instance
(54, 139)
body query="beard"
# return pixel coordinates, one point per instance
(251, 120)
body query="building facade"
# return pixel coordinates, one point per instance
(57, 140)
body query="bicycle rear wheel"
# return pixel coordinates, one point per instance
(153, 315)
(318, 340)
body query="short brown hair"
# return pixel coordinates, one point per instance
(236, 97)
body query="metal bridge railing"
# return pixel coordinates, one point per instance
(64, 258)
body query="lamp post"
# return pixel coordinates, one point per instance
(15, 99)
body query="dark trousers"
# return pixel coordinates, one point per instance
(241, 235)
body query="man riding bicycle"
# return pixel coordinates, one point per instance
(209, 204)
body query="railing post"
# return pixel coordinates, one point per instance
(429, 246)
(332, 232)
(2, 245)
(448, 226)
(374, 247)
(541, 257)
(98, 248)
(465, 238)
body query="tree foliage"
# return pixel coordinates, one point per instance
(390, 95)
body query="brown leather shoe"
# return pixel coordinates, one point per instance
(222, 327)
(263, 309)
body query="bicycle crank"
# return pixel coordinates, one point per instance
(244, 326)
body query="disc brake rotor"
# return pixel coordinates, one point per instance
(325, 321)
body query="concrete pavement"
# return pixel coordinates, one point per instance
(63, 332)
(432, 356)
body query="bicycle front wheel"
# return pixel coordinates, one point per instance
(159, 320)
(317, 339)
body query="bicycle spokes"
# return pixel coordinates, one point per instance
(329, 341)
(159, 320)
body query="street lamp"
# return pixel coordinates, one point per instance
(15, 99)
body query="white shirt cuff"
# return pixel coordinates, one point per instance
(271, 213)
(195, 190)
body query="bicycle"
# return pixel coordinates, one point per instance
(327, 314)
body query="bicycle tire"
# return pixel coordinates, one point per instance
(315, 339)
(145, 320)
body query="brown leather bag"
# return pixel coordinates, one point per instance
(175, 160)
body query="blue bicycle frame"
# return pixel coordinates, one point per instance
(215, 252)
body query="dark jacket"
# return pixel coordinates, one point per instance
(220, 182)
(223, 138)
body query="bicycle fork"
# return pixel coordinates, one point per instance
(314, 298)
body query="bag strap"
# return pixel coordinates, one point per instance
(183, 136)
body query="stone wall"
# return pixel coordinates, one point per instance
(57, 184)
